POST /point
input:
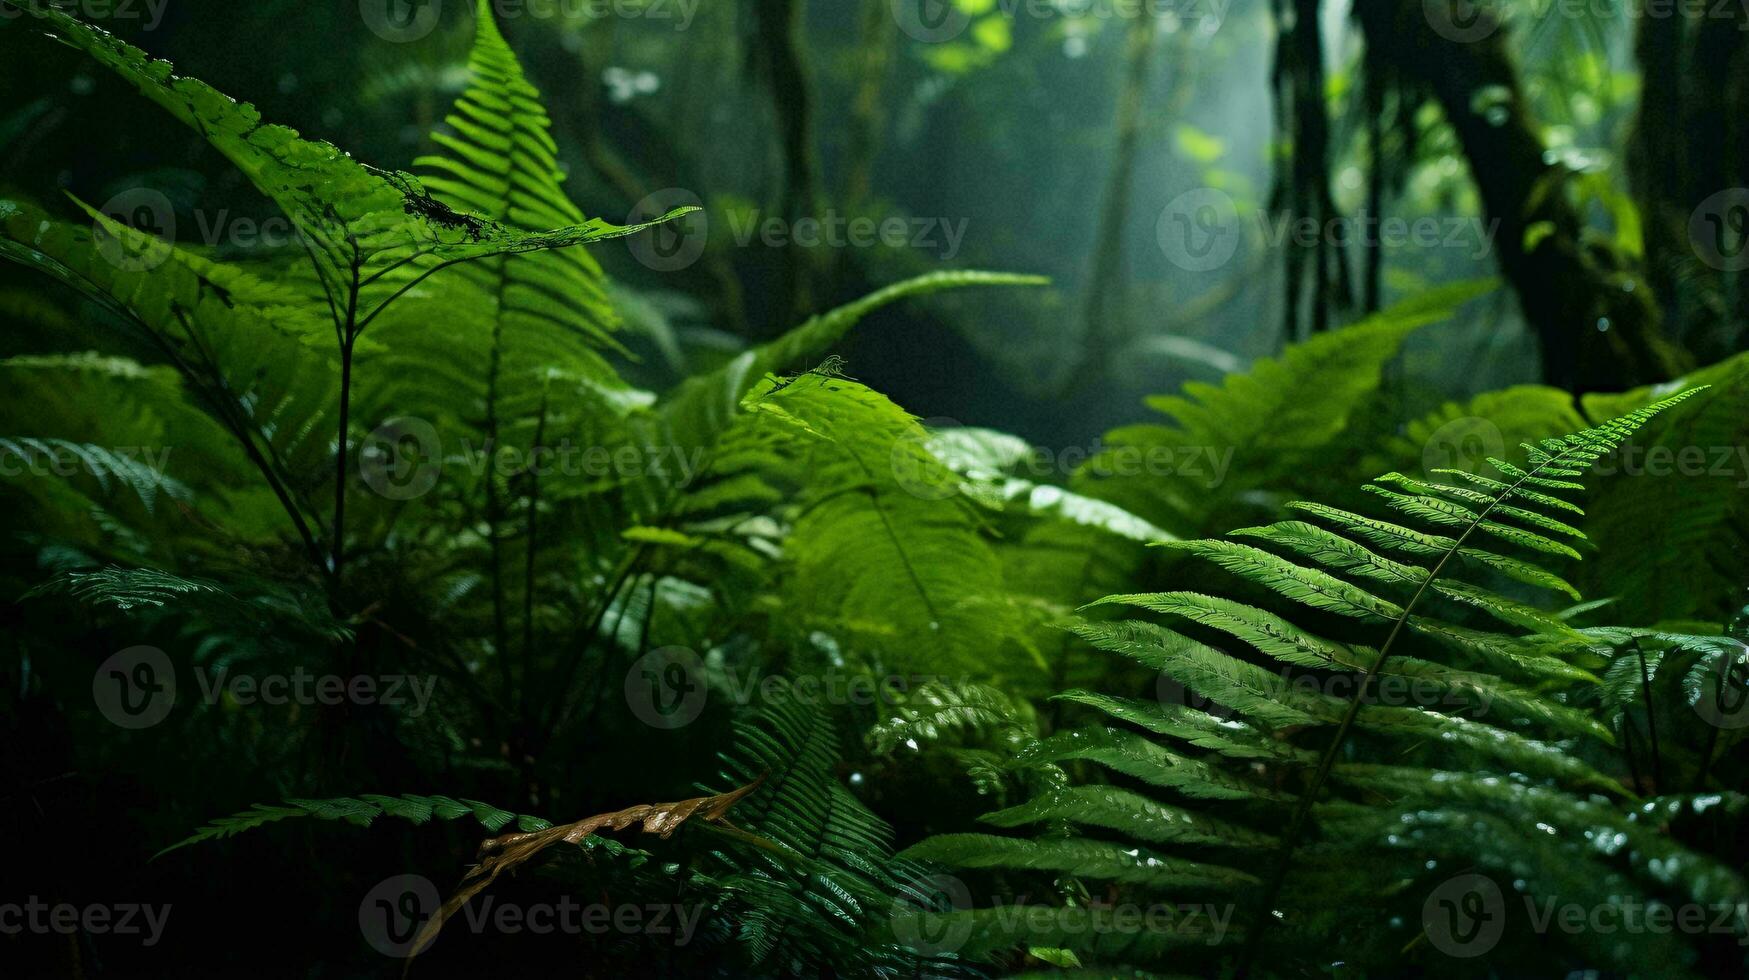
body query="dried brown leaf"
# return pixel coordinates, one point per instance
(506, 852)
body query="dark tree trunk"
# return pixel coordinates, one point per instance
(1593, 313)
(1689, 144)
(777, 59)
(1101, 329)
(867, 111)
(1302, 185)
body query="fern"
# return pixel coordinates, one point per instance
(1275, 419)
(361, 811)
(876, 542)
(834, 862)
(379, 233)
(128, 588)
(1243, 765)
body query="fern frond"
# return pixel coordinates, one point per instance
(376, 232)
(1130, 813)
(1079, 857)
(1277, 418)
(361, 811)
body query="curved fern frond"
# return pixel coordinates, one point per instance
(361, 811)
(1274, 420)
(1369, 634)
(372, 235)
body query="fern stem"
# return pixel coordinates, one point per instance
(348, 338)
(568, 672)
(1706, 755)
(540, 434)
(1627, 749)
(1651, 722)
(495, 516)
(338, 544)
(226, 409)
(1303, 807)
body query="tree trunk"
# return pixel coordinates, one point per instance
(777, 60)
(1101, 329)
(1591, 309)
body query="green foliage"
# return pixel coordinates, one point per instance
(361, 812)
(1439, 704)
(1257, 430)
(1312, 724)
